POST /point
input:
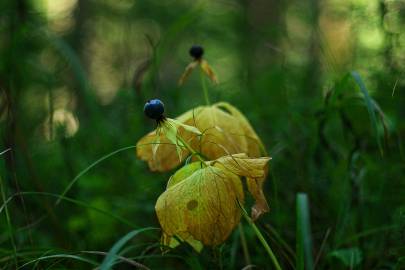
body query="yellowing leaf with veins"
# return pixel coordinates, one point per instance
(161, 158)
(224, 131)
(222, 134)
(255, 187)
(172, 242)
(255, 171)
(184, 172)
(201, 207)
(255, 145)
(243, 165)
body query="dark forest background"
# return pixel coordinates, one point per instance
(322, 83)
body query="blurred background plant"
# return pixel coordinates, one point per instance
(322, 82)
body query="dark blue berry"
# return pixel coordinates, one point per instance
(196, 51)
(154, 109)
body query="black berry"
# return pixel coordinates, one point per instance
(154, 109)
(196, 51)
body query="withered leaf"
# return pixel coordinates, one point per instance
(255, 172)
(202, 206)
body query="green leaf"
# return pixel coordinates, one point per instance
(184, 172)
(170, 131)
(59, 256)
(109, 260)
(370, 107)
(304, 239)
(350, 257)
(186, 127)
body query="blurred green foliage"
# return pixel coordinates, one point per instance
(322, 82)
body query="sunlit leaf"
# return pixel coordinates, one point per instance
(202, 206)
(255, 145)
(184, 172)
(186, 127)
(214, 131)
(172, 242)
(162, 149)
(255, 171)
(222, 133)
(200, 202)
(171, 133)
(160, 158)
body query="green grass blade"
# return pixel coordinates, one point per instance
(304, 239)
(370, 107)
(95, 163)
(112, 255)
(120, 258)
(367, 233)
(5, 151)
(64, 256)
(8, 219)
(91, 166)
(262, 240)
(350, 257)
(76, 202)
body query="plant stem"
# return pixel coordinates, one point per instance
(169, 128)
(204, 87)
(244, 245)
(10, 230)
(189, 148)
(261, 238)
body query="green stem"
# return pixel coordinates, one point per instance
(169, 128)
(189, 148)
(204, 87)
(244, 245)
(10, 230)
(261, 238)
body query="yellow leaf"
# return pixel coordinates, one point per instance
(184, 172)
(255, 145)
(172, 242)
(242, 165)
(255, 171)
(201, 207)
(222, 134)
(161, 158)
(162, 149)
(255, 187)
(224, 131)
(186, 127)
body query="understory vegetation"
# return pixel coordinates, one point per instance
(318, 85)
